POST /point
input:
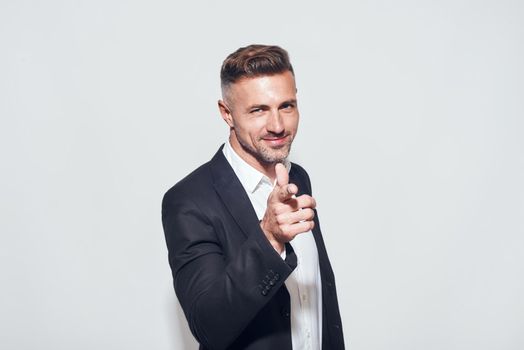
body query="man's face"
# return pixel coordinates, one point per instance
(263, 116)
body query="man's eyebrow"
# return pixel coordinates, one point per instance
(292, 101)
(257, 106)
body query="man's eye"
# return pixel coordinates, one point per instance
(288, 106)
(256, 110)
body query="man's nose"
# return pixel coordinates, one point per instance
(275, 123)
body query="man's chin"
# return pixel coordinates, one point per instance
(268, 155)
(273, 157)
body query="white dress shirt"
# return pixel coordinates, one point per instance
(304, 284)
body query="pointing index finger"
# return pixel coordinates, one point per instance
(286, 192)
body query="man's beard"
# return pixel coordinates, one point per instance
(266, 154)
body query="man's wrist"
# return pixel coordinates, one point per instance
(278, 246)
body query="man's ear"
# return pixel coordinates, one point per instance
(226, 113)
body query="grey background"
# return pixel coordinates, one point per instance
(412, 122)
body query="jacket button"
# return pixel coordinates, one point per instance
(277, 276)
(264, 292)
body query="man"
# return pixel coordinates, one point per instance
(249, 265)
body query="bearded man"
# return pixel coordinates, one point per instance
(249, 264)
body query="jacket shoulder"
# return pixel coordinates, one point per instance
(197, 184)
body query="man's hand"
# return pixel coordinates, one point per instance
(286, 215)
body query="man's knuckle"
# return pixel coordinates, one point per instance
(309, 213)
(281, 219)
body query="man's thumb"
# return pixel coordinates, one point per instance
(284, 189)
(281, 174)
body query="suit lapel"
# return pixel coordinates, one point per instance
(230, 190)
(303, 188)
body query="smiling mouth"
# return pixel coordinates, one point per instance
(276, 141)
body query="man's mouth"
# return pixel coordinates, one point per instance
(276, 141)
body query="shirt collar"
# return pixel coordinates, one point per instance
(249, 177)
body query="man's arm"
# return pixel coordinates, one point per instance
(219, 298)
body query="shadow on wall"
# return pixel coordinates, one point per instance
(182, 337)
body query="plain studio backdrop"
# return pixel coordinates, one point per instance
(412, 124)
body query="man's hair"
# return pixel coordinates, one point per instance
(254, 61)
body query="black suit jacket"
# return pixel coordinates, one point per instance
(227, 276)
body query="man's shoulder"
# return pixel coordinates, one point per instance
(199, 185)
(198, 181)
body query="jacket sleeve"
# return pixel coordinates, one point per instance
(219, 296)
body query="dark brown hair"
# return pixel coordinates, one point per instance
(253, 61)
